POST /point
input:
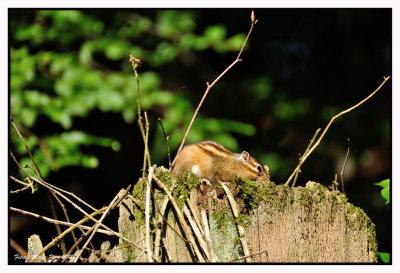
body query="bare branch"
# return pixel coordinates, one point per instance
(209, 86)
(344, 165)
(166, 140)
(306, 155)
(117, 199)
(147, 215)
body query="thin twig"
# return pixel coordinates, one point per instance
(90, 217)
(307, 149)
(209, 86)
(197, 232)
(147, 215)
(18, 248)
(167, 141)
(240, 228)
(207, 235)
(39, 174)
(169, 257)
(65, 232)
(50, 220)
(135, 64)
(52, 187)
(26, 174)
(117, 199)
(247, 256)
(157, 239)
(51, 195)
(306, 155)
(20, 190)
(186, 228)
(27, 149)
(344, 165)
(195, 215)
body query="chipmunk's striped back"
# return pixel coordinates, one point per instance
(214, 162)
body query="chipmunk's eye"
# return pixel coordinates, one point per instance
(258, 168)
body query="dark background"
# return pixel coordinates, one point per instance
(328, 57)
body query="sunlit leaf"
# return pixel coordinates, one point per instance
(385, 184)
(385, 256)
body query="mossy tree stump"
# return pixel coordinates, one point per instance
(302, 224)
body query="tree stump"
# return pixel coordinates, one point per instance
(308, 224)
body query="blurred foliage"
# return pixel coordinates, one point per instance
(55, 73)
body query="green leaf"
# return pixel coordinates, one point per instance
(385, 256)
(385, 184)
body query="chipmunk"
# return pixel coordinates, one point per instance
(214, 162)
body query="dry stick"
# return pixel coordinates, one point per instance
(166, 250)
(117, 199)
(51, 194)
(247, 256)
(181, 219)
(39, 174)
(147, 215)
(241, 229)
(195, 215)
(306, 155)
(20, 190)
(146, 140)
(170, 226)
(207, 235)
(50, 220)
(166, 140)
(29, 184)
(75, 245)
(90, 217)
(50, 186)
(344, 165)
(65, 232)
(157, 239)
(22, 169)
(307, 149)
(197, 233)
(21, 251)
(27, 148)
(209, 86)
(135, 64)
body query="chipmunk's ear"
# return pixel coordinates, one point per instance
(244, 156)
(266, 168)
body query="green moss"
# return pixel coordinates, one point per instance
(139, 189)
(243, 220)
(164, 176)
(189, 180)
(253, 192)
(357, 219)
(139, 215)
(305, 197)
(222, 218)
(128, 253)
(184, 185)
